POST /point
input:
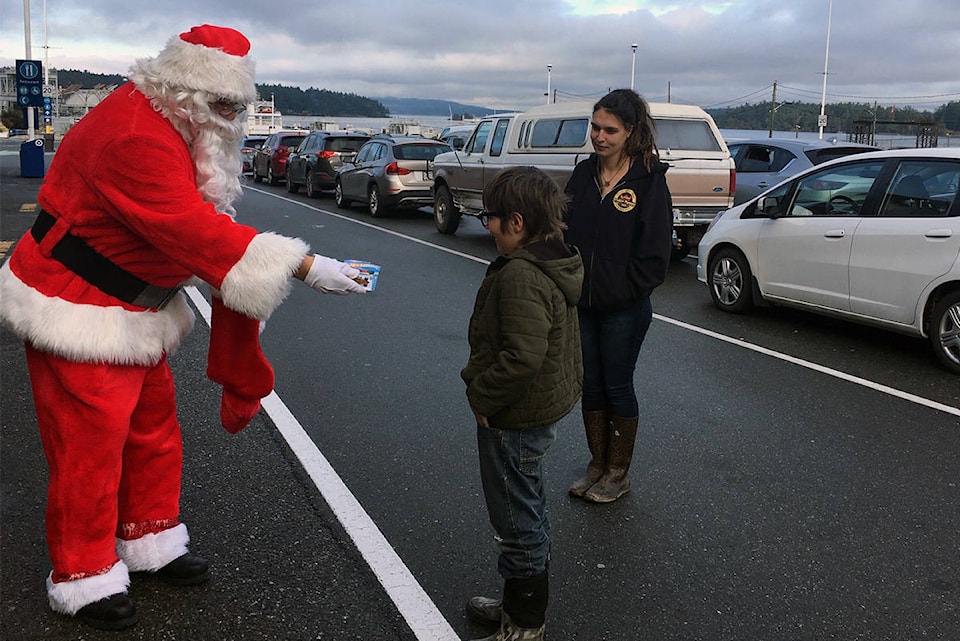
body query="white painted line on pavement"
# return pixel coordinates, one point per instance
(814, 366)
(420, 613)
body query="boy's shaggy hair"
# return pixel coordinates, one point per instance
(532, 193)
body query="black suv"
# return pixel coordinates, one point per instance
(317, 158)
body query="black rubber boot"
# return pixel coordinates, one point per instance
(185, 570)
(525, 601)
(114, 612)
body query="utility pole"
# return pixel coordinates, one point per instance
(773, 108)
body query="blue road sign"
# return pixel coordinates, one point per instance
(29, 83)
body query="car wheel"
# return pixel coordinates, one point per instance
(945, 331)
(338, 196)
(445, 213)
(374, 202)
(256, 177)
(312, 192)
(731, 283)
(292, 187)
(271, 178)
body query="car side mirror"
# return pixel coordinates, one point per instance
(768, 206)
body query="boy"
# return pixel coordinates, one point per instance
(524, 375)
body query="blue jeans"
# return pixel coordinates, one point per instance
(511, 471)
(611, 344)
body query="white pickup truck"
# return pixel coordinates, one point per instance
(555, 137)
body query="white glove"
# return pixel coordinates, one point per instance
(330, 276)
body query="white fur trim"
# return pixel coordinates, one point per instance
(184, 65)
(151, 552)
(91, 332)
(261, 279)
(69, 596)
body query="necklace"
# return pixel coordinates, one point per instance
(605, 182)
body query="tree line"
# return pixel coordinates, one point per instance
(841, 116)
(288, 100)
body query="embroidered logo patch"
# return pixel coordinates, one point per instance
(625, 200)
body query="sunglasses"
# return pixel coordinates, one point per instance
(227, 106)
(485, 216)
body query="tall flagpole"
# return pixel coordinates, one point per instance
(31, 123)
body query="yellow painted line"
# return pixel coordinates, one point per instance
(28, 208)
(5, 246)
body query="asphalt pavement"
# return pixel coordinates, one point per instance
(795, 478)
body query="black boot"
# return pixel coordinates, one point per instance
(114, 612)
(525, 605)
(185, 570)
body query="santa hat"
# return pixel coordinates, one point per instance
(209, 58)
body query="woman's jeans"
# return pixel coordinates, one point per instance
(611, 344)
(511, 471)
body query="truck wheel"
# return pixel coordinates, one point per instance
(730, 281)
(445, 213)
(945, 331)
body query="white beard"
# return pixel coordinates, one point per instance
(214, 145)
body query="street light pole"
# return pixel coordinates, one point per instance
(822, 120)
(549, 67)
(633, 65)
(31, 125)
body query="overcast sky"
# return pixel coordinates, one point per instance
(495, 53)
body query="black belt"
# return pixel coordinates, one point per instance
(98, 270)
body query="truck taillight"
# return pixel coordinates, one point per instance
(393, 169)
(733, 182)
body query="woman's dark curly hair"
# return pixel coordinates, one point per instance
(634, 113)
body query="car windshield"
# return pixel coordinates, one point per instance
(693, 135)
(344, 144)
(419, 151)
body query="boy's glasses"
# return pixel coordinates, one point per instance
(485, 217)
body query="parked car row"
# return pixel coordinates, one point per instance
(270, 159)
(315, 162)
(868, 236)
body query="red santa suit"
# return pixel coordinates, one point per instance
(123, 183)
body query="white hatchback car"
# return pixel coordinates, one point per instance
(872, 238)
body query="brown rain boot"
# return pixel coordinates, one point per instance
(596, 423)
(615, 482)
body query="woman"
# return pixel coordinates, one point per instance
(620, 218)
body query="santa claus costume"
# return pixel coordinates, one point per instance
(137, 203)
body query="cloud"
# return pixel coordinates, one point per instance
(496, 53)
